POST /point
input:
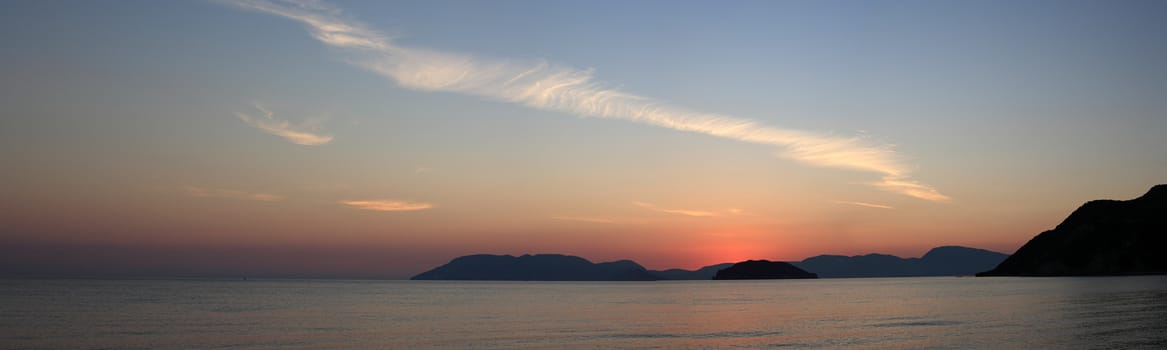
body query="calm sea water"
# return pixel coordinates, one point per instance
(1100, 312)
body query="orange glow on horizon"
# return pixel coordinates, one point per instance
(712, 253)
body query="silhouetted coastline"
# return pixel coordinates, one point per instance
(940, 261)
(539, 267)
(1102, 237)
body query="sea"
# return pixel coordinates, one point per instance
(860, 313)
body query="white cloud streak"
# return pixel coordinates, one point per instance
(300, 135)
(685, 212)
(865, 204)
(547, 86)
(387, 205)
(736, 211)
(229, 193)
(593, 220)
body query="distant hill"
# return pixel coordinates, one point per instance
(762, 270)
(1102, 237)
(958, 261)
(704, 273)
(940, 261)
(541, 267)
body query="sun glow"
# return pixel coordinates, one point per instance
(716, 252)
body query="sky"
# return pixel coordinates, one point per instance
(373, 138)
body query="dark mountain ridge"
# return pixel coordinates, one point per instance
(940, 261)
(540, 267)
(1102, 237)
(704, 273)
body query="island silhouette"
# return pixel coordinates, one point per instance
(539, 267)
(762, 270)
(940, 261)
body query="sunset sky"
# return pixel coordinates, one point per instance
(384, 138)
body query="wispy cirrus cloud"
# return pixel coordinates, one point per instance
(422, 169)
(542, 85)
(195, 191)
(685, 212)
(594, 220)
(387, 205)
(301, 135)
(865, 204)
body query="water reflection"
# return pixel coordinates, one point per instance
(1120, 312)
